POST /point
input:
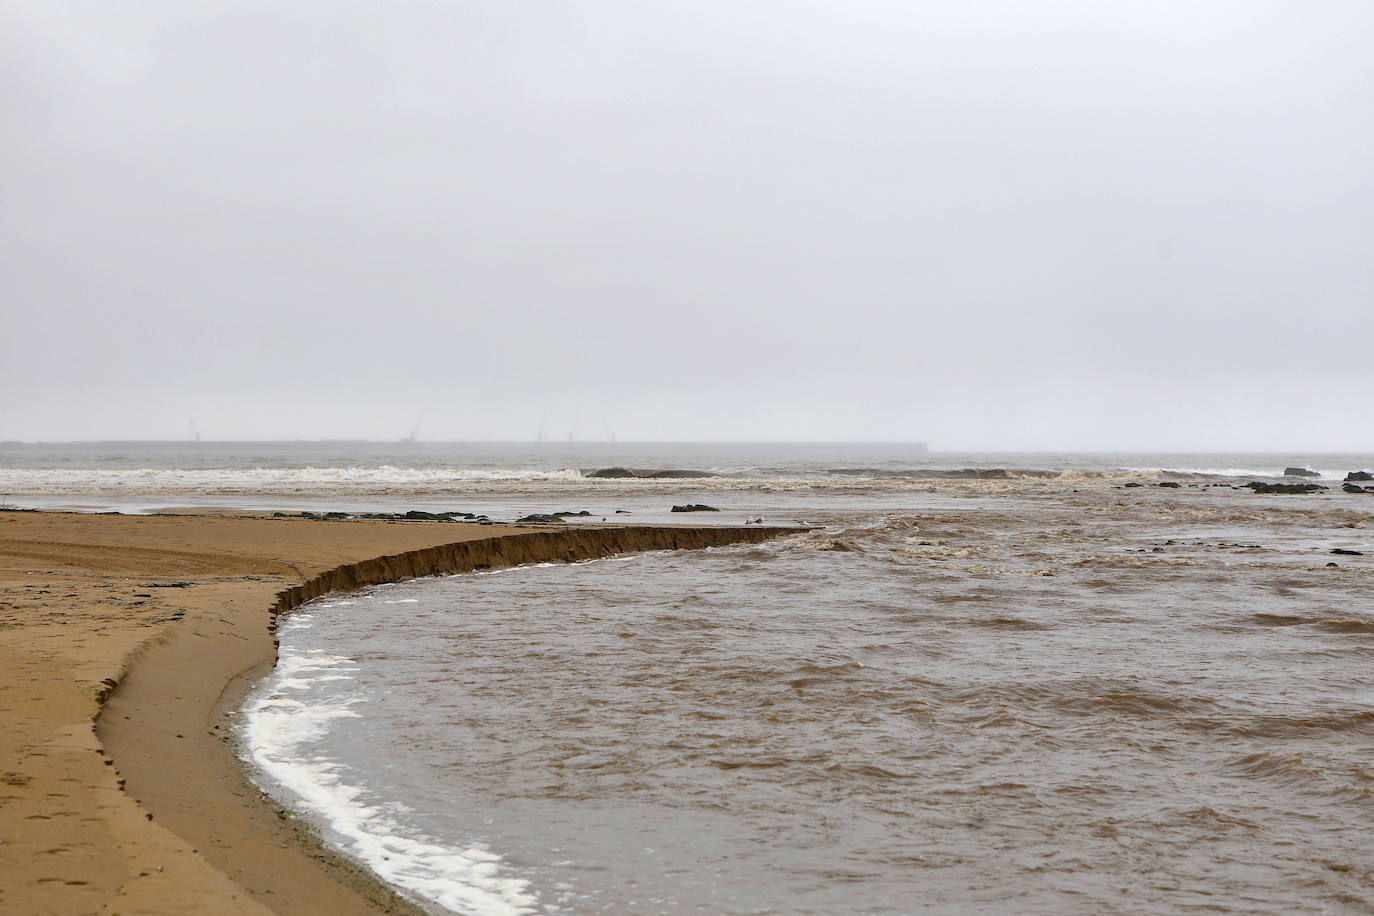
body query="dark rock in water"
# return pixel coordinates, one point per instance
(695, 507)
(613, 472)
(1300, 472)
(416, 515)
(1354, 488)
(1169, 483)
(1134, 483)
(1359, 475)
(336, 515)
(539, 517)
(623, 512)
(1337, 565)
(569, 512)
(1347, 553)
(1284, 487)
(675, 473)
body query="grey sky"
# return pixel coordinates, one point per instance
(1021, 225)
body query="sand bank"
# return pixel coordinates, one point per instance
(154, 626)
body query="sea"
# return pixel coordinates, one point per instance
(978, 683)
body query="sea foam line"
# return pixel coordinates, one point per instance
(267, 477)
(277, 731)
(1323, 474)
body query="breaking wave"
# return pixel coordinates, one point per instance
(269, 478)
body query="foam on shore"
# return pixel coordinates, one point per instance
(282, 716)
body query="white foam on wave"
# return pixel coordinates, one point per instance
(397, 480)
(268, 478)
(277, 732)
(1324, 474)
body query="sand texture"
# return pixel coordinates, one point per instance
(125, 641)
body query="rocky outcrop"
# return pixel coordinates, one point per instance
(1284, 487)
(1300, 472)
(547, 517)
(1359, 475)
(695, 507)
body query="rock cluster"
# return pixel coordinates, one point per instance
(414, 515)
(1284, 487)
(552, 516)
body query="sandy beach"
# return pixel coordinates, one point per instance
(126, 641)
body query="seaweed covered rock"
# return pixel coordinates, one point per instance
(1359, 475)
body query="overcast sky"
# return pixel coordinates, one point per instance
(987, 225)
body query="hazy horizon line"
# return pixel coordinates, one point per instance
(924, 445)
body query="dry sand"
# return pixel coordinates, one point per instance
(154, 626)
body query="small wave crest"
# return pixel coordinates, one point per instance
(1326, 624)
(1283, 726)
(269, 478)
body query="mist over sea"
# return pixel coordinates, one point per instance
(507, 479)
(1000, 683)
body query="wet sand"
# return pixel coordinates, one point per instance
(125, 641)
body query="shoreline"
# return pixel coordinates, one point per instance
(127, 641)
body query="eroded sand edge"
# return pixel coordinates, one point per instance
(154, 626)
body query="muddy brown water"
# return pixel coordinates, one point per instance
(1051, 701)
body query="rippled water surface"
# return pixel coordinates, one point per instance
(1101, 701)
